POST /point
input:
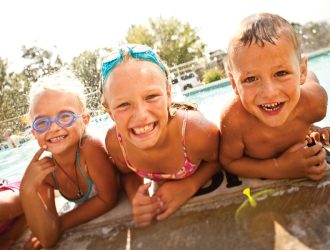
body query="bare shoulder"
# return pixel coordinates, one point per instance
(313, 97)
(114, 150)
(111, 138)
(197, 123)
(232, 116)
(92, 144)
(202, 136)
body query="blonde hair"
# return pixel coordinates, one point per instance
(62, 80)
(260, 29)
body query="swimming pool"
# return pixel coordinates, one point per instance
(210, 100)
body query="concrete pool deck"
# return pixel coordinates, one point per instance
(290, 214)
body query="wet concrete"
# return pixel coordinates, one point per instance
(289, 215)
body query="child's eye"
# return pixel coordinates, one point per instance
(151, 97)
(250, 79)
(281, 73)
(123, 105)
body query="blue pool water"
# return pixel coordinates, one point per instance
(210, 100)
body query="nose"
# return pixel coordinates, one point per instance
(140, 111)
(54, 126)
(269, 88)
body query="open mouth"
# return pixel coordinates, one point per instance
(57, 139)
(271, 107)
(144, 129)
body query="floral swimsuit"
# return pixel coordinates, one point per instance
(185, 171)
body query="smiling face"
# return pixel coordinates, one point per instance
(138, 99)
(58, 139)
(267, 80)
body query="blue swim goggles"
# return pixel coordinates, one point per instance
(142, 52)
(63, 119)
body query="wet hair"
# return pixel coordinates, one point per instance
(261, 29)
(62, 80)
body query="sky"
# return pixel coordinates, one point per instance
(69, 27)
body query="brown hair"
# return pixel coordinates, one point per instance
(260, 29)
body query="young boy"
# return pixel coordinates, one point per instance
(264, 127)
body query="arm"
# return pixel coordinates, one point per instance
(102, 173)
(144, 207)
(297, 161)
(37, 200)
(202, 141)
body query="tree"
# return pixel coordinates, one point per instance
(41, 63)
(174, 41)
(140, 34)
(85, 67)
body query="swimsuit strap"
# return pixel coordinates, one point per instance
(184, 125)
(89, 183)
(120, 140)
(55, 180)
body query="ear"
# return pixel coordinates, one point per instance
(169, 95)
(86, 118)
(109, 112)
(233, 83)
(34, 133)
(303, 70)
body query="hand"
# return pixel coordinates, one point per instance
(36, 172)
(303, 161)
(32, 243)
(144, 207)
(319, 134)
(173, 194)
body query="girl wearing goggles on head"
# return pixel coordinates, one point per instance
(174, 146)
(78, 166)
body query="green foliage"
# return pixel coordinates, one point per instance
(85, 67)
(140, 34)
(175, 42)
(212, 75)
(41, 63)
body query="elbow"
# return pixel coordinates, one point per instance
(48, 241)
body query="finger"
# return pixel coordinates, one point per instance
(317, 169)
(312, 150)
(143, 224)
(317, 159)
(309, 139)
(316, 136)
(325, 137)
(297, 146)
(46, 171)
(143, 189)
(143, 206)
(38, 154)
(316, 177)
(163, 215)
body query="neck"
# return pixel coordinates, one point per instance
(66, 158)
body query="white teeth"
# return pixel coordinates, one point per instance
(271, 107)
(56, 139)
(144, 129)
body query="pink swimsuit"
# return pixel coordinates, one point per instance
(5, 226)
(185, 171)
